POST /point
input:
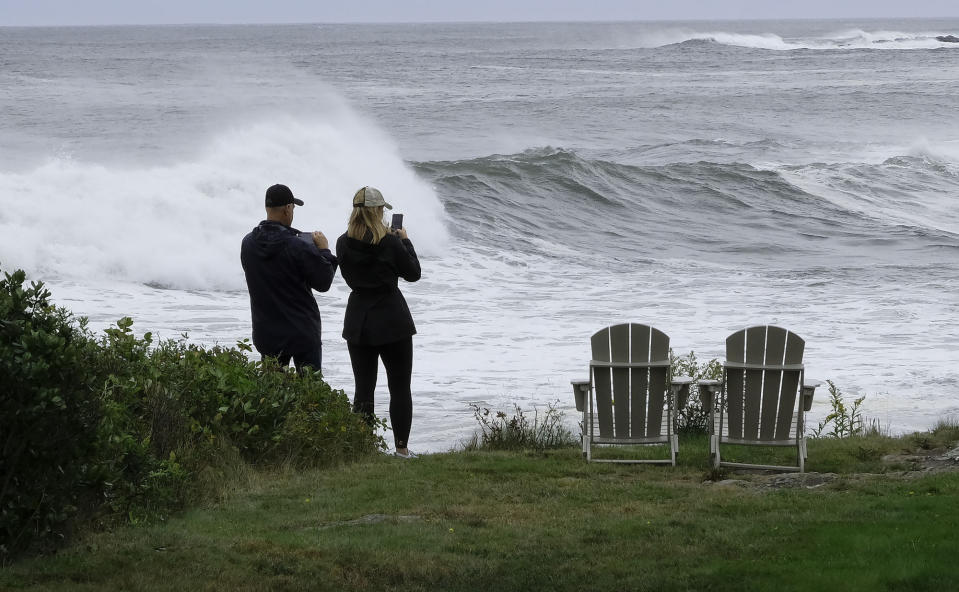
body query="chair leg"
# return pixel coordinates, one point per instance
(715, 406)
(802, 455)
(714, 450)
(585, 436)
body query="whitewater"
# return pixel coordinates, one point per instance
(555, 179)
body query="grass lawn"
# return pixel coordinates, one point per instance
(539, 521)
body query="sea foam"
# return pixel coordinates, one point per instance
(180, 225)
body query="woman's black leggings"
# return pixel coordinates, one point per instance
(398, 361)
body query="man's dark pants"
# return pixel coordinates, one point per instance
(302, 360)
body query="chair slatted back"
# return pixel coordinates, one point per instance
(763, 374)
(602, 383)
(630, 372)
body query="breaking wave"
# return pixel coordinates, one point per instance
(840, 40)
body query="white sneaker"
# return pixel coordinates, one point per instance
(409, 454)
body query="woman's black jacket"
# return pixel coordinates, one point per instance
(376, 312)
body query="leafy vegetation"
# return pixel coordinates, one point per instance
(842, 421)
(117, 427)
(50, 417)
(692, 417)
(499, 431)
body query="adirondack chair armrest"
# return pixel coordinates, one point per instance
(580, 390)
(679, 385)
(808, 390)
(708, 389)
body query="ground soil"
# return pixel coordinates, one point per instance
(918, 463)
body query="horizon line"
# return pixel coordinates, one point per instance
(473, 22)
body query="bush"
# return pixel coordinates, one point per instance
(321, 428)
(50, 415)
(693, 417)
(118, 427)
(498, 431)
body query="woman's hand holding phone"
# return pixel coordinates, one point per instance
(396, 225)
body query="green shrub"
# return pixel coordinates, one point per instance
(119, 426)
(694, 417)
(267, 414)
(49, 416)
(321, 428)
(184, 401)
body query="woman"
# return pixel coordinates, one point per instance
(378, 323)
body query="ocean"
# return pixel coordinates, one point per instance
(556, 178)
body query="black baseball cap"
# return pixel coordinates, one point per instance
(280, 195)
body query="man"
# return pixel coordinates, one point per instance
(282, 267)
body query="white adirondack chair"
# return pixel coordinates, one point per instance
(760, 394)
(629, 398)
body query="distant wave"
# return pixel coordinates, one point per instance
(695, 209)
(841, 40)
(765, 41)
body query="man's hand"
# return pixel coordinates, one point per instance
(319, 239)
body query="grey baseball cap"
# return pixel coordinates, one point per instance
(369, 197)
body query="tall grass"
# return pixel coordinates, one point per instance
(844, 420)
(500, 431)
(947, 429)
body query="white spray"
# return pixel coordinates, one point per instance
(180, 225)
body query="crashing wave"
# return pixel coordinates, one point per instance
(841, 40)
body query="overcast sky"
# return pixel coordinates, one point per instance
(106, 12)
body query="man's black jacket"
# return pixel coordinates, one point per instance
(281, 272)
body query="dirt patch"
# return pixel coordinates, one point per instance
(778, 481)
(927, 461)
(920, 463)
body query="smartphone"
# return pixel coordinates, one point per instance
(306, 236)
(397, 221)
